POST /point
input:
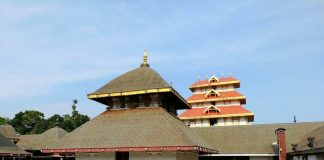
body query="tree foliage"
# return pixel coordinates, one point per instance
(33, 122)
(3, 120)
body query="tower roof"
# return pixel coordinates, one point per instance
(225, 111)
(142, 80)
(226, 95)
(221, 81)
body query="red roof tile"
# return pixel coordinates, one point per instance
(226, 94)
(205, 82)
(225, 110)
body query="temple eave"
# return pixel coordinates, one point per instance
(128, 93)
(242, 98)
(236, 83)
(216, 116)
(131, 149)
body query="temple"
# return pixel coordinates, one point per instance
(140, 122)
(215, 102)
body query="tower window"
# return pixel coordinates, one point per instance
(213, 121)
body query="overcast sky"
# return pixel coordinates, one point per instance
(52, 52)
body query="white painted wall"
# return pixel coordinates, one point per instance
(295, 158)
(218, 103)
(312, 157)
(228, 121)
(221, 88)
(228, 103)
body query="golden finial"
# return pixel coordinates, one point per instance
(145, 59)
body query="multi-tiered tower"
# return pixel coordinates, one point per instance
(215, 102)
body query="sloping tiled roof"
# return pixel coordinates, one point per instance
(38, 141)
(222, 95)
(221, 81)
(131, 128)
(142, 78)
(8, 148)
(318, 134)
(8, 131)
(225, 111)
(253, 139)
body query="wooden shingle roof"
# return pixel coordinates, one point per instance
(8, 131)
(318, 134)
(142, 78)
(141, 128)
(9, 149)
(253, 139)
(38, 141)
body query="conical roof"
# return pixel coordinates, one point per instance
(142, 128)
(8, 131)
(142, 78)
(37, 141)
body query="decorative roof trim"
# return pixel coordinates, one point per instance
(212, 107)
(132, 149)
(218, 99)
(213, 78)
(211, 91)
(219, 116)
(128, 93)
(215, 84)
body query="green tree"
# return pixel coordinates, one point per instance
(68, 123)
(76, 119)
(40, 127)
(55, 120)
(16, 122)
(3, 120)
(33, 122)
(29, 122)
